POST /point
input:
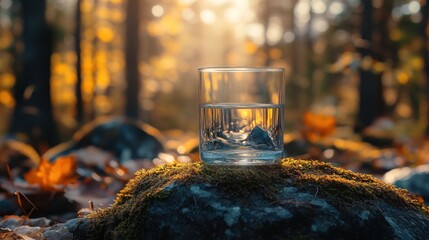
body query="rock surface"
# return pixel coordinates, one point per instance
(15, 227)
(295, 199)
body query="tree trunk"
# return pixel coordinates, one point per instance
(131, 59)
(370, 87)
(425, 52)
(78, 89)
(33, 111)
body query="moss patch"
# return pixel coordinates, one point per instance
(324, 180)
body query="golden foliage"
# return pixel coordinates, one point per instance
(105, 34)
(7, 99)
(250, 47)
(7, 80)
(50, 175)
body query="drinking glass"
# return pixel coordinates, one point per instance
(241, 115)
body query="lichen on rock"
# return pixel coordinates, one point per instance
(294, 199)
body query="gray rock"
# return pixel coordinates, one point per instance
(296, 199)
(78, 227)
(414, 180)
(29, 231)
(209, 213)
(125, 139)
(219, 143)
(260, 139)
(11, 223)
(57, 232)
(40, 222)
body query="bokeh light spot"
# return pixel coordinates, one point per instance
(105, 34)
(207, 16)
(157, 11)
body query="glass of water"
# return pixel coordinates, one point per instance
(241, 115)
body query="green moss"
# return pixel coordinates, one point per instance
(331, 183)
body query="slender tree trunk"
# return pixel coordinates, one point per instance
(370, 87)
(424, 28)
(78, 89)
(33, 110)
(381, 51)
(311, 55)
(266, 22)
(132, 58)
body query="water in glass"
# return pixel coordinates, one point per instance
(241, 133)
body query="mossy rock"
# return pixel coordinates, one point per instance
(295, 200)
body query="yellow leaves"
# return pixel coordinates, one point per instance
(170, 25)
(395, 34)
(51, 175)
(162, 65)
(275, 53)
(403, 77)
(367, 63)
(105, 34)
(153, 29)
(404, 110)
(379, 67)
(116, 1)
(117, 16)
(103, 104)
(86, 6)
(6, 39)
(250, 47)
(6, 99)
(102, 12)
(102, 79)
(66, 71)
(171, 46)
(416, 63)
(7, 80)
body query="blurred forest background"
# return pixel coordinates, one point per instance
(359, 63)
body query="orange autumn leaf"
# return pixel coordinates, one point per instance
(50, 175)
(318, 125)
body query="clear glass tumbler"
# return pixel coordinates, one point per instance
(241, 115)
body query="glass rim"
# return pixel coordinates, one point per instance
(241, 69)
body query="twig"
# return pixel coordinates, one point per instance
(91, 205)
(18, 194)
(18, 198)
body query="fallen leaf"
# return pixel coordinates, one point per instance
(51, 175)
(318, 125)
